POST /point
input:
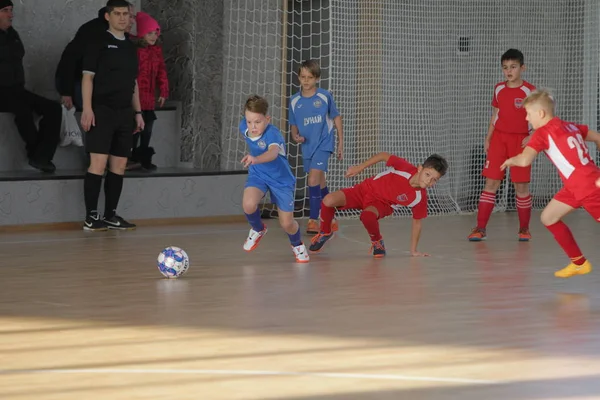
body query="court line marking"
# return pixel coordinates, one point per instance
(244, 372)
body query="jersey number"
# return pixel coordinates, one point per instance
(576, 142)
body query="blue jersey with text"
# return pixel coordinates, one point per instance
(276, 173)
(314, 118)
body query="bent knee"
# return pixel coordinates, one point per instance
(548, 219)
(249, 206)
(369, 213)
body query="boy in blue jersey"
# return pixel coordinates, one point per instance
(312, 116)
(269, 170)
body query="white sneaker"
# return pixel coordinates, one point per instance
(254, 239)
(301, 254)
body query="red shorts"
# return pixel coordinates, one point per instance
(359, 197)
(591, 203)
(502, 147)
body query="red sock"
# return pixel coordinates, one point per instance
(369, 220)
(524, 211)
(486, 206)
(565, 239)
(327, 214)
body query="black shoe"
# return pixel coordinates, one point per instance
(44, 166)
(94, 223)
(118, 223)
(145, 158)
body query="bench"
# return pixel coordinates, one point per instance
(165, 140)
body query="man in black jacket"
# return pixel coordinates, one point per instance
(68, 71)
(14, 98)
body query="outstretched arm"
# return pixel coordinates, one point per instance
(414, 238)
(377, 158)
(265, 157)
(522, 160)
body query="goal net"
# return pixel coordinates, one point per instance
(410, 77)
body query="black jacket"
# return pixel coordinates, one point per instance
(68, 70)
(11, 59)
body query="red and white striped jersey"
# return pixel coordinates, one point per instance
(509, 102)
(393, 187)
(564, 144)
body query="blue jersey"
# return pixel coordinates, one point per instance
(276, 173)
(314, 118)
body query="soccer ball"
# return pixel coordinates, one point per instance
(173, 262)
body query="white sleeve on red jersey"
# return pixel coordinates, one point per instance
(539, 140)
(419, 211)
(497, 89)
(529, 86)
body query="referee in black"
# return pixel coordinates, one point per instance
(110, 102)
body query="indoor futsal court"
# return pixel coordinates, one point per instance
(473, 321)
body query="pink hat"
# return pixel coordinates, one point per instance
(145, 24)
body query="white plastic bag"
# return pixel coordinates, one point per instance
(70, 132)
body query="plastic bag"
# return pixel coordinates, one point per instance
(70, 132)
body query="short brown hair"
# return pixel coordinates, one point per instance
(311, 66)
(257, 104)
(541, 97)
(436, 162)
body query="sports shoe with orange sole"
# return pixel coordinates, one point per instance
(524, 235)
(477, 235)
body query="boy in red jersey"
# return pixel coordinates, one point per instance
(402, 184)
(563, 143)
(508, 133)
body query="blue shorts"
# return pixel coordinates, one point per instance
(319, 160)
(283, 197)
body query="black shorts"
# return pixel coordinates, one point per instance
(113, 132)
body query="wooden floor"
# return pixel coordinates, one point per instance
(88, 316)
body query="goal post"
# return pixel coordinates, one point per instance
(410, 77)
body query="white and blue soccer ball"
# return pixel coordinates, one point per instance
(173, 262)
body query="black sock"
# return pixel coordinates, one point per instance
(113, 184)
(91, 191)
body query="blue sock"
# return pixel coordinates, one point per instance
(255, 221)
(314, 192)
(324, 192)
(295, 239)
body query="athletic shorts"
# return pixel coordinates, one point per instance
(283, 197)
(113, 132)
(319, 160)
(358, 197)
(590, 203)
(502, 147)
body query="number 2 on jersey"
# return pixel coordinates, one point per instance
(576, 142)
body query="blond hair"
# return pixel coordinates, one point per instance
(542, 98)
(257, 104)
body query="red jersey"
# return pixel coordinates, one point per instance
(509, 102)
(152, 73)
(393, 188)
(563, 143)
